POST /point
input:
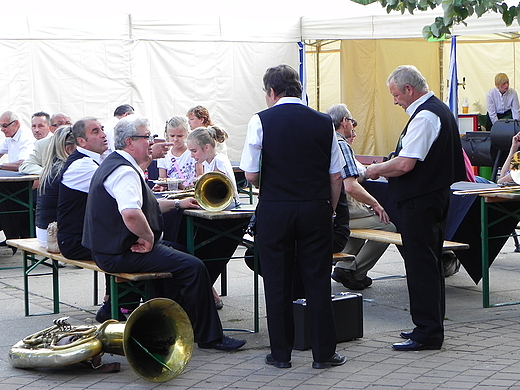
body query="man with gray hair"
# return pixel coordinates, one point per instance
(131, 241)
(353, 273)
(428, 160)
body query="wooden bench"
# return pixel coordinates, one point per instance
(395, 238)
(34, 255)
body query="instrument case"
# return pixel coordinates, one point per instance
(348, 318)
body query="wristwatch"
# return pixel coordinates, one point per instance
(177, 204)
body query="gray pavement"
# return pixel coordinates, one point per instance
(481, 350)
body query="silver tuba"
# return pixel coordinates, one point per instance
(214, 191)
(157, 341)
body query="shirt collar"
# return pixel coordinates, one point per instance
(127, 156)
(93, 155)
(18, 135)
(412, 107)
(288, 99)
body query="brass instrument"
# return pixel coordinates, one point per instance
(214, 191)
(157, 341)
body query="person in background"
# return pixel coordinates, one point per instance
(198, 116)
(428, 160)
(501, 101)
(60, 119)
(62, 144)
(202, 145)
(41, 125)
(120, 112)
(365, 211)
(505, 172)
(131, 241)
(178, 162)
(18, 145)
(295, 212)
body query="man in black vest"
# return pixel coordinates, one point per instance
(130, 242)
(429, 159)
(299, 190)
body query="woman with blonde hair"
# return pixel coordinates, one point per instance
(61, 145)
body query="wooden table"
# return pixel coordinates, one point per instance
(194, 219)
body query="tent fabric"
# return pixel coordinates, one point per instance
(166, 61)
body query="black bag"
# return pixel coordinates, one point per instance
(478, 147)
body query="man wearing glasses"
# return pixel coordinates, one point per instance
(18, 144)
(131, 241)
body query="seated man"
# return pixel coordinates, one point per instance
(17, 144)
(130, 242)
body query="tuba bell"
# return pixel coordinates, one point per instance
(157, 341)
(214, 191)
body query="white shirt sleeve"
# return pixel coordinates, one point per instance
(422, 131)
(250, 161)
(79, 174)
(124, 185)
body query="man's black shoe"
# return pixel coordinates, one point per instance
(226, 344)
(104, 313)
(367, 282)
(410, 345)
(335, 360)
(270, 360)
(345, 277)
(406, 335)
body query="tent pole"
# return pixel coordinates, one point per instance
(441, 69)
(318, 50)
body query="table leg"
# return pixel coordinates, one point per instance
(484, 234)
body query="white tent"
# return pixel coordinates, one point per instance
(165, 59)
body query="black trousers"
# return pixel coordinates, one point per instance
(189, 286)
(284, 229)
(422, 227)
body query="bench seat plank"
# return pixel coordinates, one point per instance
(33, 246)
(395, 238)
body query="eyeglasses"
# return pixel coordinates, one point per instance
(151, 138)
(354, 122)
(6, 125)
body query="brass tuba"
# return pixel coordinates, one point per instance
(157, 341)
(214, 191)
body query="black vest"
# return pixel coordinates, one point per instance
(71, 204)
(105, 231)
(295, 153)
(442, 166)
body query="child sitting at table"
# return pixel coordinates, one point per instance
(178, 162)
(201, 143)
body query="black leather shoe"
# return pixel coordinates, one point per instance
(226, 344)
(104, 313)
(335, 360)
(367, 282)
(406, 335)
(410, 345)
(270, 360)
(345, 277)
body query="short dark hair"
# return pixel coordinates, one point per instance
(123, 109)
(284, 81)
(41, 113)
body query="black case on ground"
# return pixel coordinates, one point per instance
(348, 317)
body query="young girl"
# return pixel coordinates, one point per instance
(201, 144)
(177, 163)
(198, 116)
